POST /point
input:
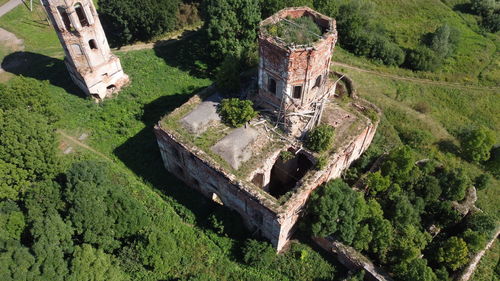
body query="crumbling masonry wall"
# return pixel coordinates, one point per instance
(202, 176)
(89, 60)
(275, 222)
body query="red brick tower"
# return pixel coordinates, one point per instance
(294, 78)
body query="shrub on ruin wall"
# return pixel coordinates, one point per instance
(320, 138)
(235, 112)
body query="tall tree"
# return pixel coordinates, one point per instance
(133, 20)
(231, 26)
(11, 221)
(27, 141)
(15, 261)
(335, 208)
(52, 241)
(453, 254)
(90, 264)
(476, 144)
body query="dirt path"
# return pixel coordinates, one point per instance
(9, 43)
(82, 145)
(416, 80)
(7, 7)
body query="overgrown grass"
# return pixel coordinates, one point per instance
(33, 28)
(489, 267)
(476, 59)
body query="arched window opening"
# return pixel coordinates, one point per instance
(65, 18)
(318, 82)
(92, 44)
(81, 14)
(271, 85)
(76, 49)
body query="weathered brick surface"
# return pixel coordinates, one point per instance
(291, 65)
(89, 60)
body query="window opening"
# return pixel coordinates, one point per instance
(65, 19)
(318, 82)
(297, 92)
(92, 44)
(272, 85)
(81, 14)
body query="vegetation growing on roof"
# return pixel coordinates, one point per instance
(300, 31)
(235, 112)
(320, 138)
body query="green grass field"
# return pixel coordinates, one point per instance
(476, 59)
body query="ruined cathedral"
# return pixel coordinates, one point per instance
(245, 168)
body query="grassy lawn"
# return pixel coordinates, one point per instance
(476, 60)
(33, 28)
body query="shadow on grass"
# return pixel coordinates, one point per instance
(41, 67)
(465, 8)
(447, 146)
(189, 54)
(142, 155)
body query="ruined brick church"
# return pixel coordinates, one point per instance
(244, 168)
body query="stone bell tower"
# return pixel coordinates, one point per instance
(89, 60)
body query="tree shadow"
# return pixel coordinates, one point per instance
(447, 146)
(141, 154)
(465, 8)
(188, 53)
(41, 67)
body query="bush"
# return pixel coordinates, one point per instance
(386, 51)
(444, 41)
(423, 59)
(422, 107)
(453, 254)
(482, 181)
(259, 254)
(320, 138)
(476, 144)
(489, 10)
(135, 20)
(415, 138)
(454, 184)
(235, 112)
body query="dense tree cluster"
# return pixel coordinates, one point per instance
(489, 11)
(391, 223)
(132, 20)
